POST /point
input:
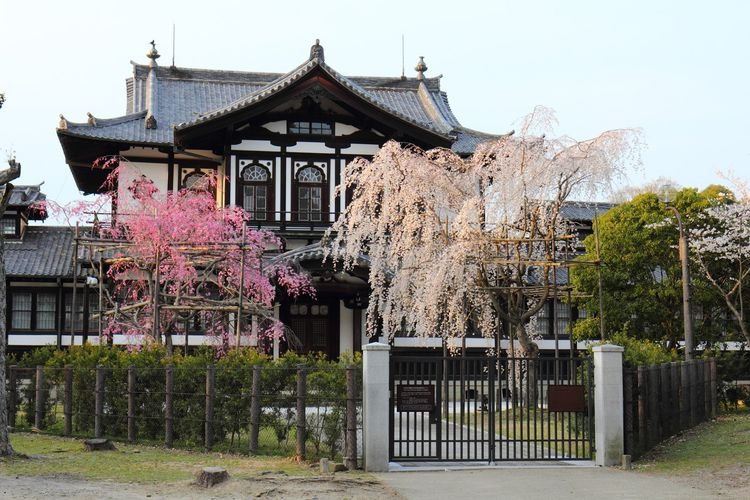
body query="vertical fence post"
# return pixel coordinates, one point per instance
(705, 390)
(131, 403)
(68, 402)
(98, 401)
(12, 395)
(714, 388)
(665, 400)
(608, 400)
(39, 401)
(653, 406)
(629, 416)
(684, 395)
(210, 389)
(642, 409)
(350, 461)
(255, 410)
(674, 411)
(693, 389)
(376, 406)
(169, 406)
(301, 394)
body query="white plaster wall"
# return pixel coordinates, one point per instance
(255, 145)
(310, 147)
(278, 127)
(344, 129)
(157, 172)
(346, 329)
(361, 149)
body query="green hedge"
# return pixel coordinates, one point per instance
(326, 390)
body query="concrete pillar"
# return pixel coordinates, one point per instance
(608, 404)
(375, 405)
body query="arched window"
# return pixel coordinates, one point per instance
(310, 194)
(256, 191)
(194, 180)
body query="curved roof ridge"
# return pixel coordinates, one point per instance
(104, 122)
(430, 106)
(294, 75)
(270, 89)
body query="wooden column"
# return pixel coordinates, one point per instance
(131, 403)
(99, 401)
(350, 460)
(169, 406)
(210, 391)
(68, 402)
(301, 411)
(12, 395)
(255, 410)
(39, 399)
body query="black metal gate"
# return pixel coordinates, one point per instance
(487, 409)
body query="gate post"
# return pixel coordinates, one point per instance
(608, 404)
(375, 406)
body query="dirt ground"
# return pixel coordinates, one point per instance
(576, 483)
(266, 486)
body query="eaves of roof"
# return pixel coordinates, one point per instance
(296, 75)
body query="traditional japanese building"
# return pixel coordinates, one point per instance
(280, 142)
(39, 276)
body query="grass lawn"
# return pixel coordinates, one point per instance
(721, 444)
(52, 455)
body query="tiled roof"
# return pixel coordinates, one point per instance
(185, 97)
(43, 252)
(585, 210)
(24, 196)
(396, 102)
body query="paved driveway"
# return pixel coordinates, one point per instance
(543, 482)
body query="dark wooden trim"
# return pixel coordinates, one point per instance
(270, 187)
(170, 172)
(34, 291)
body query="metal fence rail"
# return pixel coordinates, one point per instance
(486, 409)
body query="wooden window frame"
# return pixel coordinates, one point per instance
(268, 184)
(324, 201)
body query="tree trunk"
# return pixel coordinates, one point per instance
(525, 369)
(5, 176)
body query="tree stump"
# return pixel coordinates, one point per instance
(99, 444)
(210, 476)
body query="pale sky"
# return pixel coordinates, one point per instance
(679, 70)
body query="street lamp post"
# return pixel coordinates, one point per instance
(686, 298)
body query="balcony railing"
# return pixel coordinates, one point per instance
(290, 221)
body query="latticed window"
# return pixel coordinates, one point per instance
(310, 128)
(8, 226)
(93, 300)
(46, 306)
(21, 310)
(255, 191)
(562, 316)
(310, 194)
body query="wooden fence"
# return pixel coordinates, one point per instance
(663, 400)
(316, 411)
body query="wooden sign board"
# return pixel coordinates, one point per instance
(415, 398)
(566, 398)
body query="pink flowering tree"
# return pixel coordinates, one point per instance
(720, 244)
(175, 259)
(469, 244)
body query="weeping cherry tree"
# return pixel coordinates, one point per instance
(460, 245)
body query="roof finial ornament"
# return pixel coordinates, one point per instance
(91, 119)
(420, 68)
(63, 123)
(153, 54)
(316, 51)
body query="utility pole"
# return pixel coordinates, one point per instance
(687, 312)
